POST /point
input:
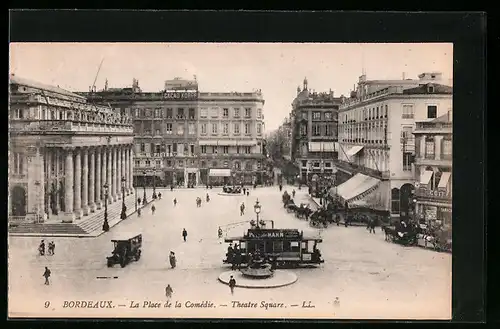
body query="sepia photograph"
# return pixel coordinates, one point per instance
(230, 180)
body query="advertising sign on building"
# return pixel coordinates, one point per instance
(273, 234)
(180, 94)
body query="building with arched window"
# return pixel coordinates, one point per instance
(433, 168)
(376, 141)
(62, 152)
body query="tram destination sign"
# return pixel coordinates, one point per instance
(180, 94)
(273, 234)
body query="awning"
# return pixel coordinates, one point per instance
(356, 186)
(314, 146)
(445, 178)
(354, 150)
(426, 176)
(220, 172)
(322, 146)
(328, 147)
(246, 143)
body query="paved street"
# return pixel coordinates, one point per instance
(372, 278)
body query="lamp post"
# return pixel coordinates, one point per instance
(135, 196)
(124, 209)
(257, 208)
(144, 202)
(105, 225)
(154, 184)
(37, 216)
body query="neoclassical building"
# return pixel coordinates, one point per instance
(314, 144)
(231, 137)
(182, 135)
(377, 145)
(63, 152)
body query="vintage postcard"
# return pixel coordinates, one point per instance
(230, 180)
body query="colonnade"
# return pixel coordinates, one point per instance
(88, 170)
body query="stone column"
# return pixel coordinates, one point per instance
(69, 216)
(57, 160)
(109, 172)
(98, 185)
(119, 171)
(126, 164)
(131, 168)
(114, 177)
(78, 185)
(92, 180)
(85, 182)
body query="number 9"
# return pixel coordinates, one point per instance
(47, 304)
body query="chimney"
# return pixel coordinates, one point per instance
(404, 75)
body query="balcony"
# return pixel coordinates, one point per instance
(69, 126)
(433, 128)
(441, 162)
(357, 169)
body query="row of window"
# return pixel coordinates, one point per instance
(214, 112)
(380, 112)
(365, 131)
(225, 128)
(430, 148)
(203, 129)
(189, 149)
(167, 113)
(203, 164)
(318, 115)
(318, 130)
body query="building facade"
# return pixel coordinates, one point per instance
(64, 151)
(314, 142)
(376, 137)
(433, 167)
(181, 134)
(231, 138)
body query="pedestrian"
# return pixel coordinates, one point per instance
(169, 291)
(219, 233)
(281, 187)
(139, 200)
(171, 187)
(208, 198)
(138, 212)
(46, 274)
(293, 194)
(153, 209)
(172, 259)
(175, 202)
(232, 284)
(52, 248)
(159, 195)
(242, 209)
(184, 234)
(248, 193)
(41, 248)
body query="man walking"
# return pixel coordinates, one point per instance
(184, 234)
(46, 274)
(175, 202)
(242, 209)
(232, 284)
(168, 292)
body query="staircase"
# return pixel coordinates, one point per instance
(89, 226)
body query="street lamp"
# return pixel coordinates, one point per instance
(124, 209)
(135, 195)
(257, 209)
(154, 184)
(144, 202)
(105, 225)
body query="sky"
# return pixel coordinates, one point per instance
(275, 68)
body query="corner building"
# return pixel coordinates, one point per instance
(63, 151)
(314, 144)
(231, 136)
(377, 145)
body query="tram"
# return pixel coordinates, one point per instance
(283, 246)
